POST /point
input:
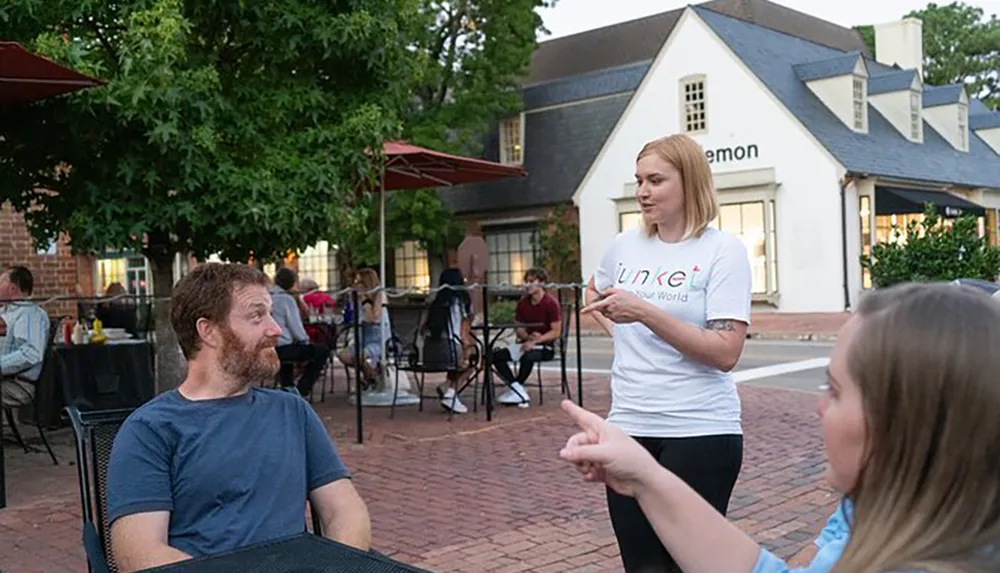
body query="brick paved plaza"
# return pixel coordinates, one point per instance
(470, 496)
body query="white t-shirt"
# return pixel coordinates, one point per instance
(655, 391)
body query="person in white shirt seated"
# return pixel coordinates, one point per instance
(24, 328)
(910, 423)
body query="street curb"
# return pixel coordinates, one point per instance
(790, 337)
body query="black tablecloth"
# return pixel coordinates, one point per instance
(99, 377)
(304, 553)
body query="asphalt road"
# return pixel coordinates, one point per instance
(773, 363)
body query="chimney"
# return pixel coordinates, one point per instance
(901, 43)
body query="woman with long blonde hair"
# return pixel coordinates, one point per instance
(676, 293)
(912, 433)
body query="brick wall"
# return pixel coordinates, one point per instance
(58, 274)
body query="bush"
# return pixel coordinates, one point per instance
(502, 311)
(933, 252)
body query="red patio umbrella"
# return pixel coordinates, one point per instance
(26, 77)
(412, 167)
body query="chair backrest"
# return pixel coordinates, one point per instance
(95, 432)
(317, 523)
(564, 334)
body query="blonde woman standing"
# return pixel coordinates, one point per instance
(677, 295)
(909, 420)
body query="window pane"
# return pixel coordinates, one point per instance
(730, 219)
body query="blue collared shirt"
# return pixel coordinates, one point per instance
(831, 543)
(22, 349)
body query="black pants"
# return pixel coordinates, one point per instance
(501, 360)
(709, 464)
(315, 357)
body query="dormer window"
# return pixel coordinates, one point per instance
(860, 104)
(916, 116)
(694, 100)
(512, 141)
(963, 125)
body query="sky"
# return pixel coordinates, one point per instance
(573, 16)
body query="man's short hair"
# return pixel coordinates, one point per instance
(207, 292)
(536, 273)
(21, 278)
(285, 278)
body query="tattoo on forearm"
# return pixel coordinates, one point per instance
(725, 325)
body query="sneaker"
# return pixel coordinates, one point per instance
(516, 395)
(451, 402)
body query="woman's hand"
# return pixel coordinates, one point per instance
(604, 453)
(619, 306)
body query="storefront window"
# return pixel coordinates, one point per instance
(132, 272)
(411, 266)
(628, 221)
(319, 263)
(746, 221)
(512, 252)
(755, 227)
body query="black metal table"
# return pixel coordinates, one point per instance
(100, 377)
(304, 553)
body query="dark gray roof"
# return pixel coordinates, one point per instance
(829, 68)
(985, 120)
(638, 40)
(560, 144)
(895, 81)
(883, 151)
(942, 95)
(977, 107)
(592, 85)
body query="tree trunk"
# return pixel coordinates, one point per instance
(170, 364)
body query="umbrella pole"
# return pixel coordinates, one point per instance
(381, 274)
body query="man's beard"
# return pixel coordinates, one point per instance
(248, 366)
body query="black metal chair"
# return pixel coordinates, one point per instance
(560, 354)
(407, 354)
(95, 432)
(48, 376)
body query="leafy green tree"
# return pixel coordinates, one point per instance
(226, 127)
(961, 45)
(559, 245)
(933, 251)
(473, 56)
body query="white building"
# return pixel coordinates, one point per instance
(815, 151)
(817, 148)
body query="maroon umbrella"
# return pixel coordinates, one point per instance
(26, 77)
(411, 167)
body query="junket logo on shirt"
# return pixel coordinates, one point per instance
(668, 285)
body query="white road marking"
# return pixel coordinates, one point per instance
(747, 375)
(779, 369)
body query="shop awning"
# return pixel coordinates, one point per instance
(900, 201)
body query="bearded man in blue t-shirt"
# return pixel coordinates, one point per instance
(218, 463)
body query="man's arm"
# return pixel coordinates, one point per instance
(29, 334)
(341, 509)
(139, 541)
(295, 327)
(140, 498)
(343, 513)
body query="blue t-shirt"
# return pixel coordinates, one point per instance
(232, 471)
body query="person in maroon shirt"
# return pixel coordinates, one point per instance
(534, 343)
